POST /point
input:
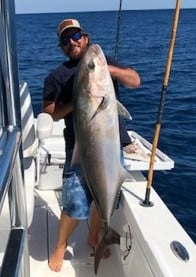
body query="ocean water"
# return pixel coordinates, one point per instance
(143, 44)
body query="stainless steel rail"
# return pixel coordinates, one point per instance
(7, 159)
(15, 250)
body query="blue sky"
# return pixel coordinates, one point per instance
(45, 6)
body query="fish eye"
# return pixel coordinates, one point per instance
(91, 65)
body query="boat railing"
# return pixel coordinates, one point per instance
(14, 258)
(8, 148)
(13, 254)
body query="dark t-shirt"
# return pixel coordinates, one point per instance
(58, 87)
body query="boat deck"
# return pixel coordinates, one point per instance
(78, 259)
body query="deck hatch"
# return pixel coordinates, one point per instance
(13, 255)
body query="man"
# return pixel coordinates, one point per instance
(57, 99)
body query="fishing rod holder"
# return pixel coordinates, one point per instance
(146, 202)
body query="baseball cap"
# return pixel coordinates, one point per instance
(66, 24)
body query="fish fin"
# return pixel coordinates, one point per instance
(103, 105)
(125, 175)
(108, 238)
(75, 156)
(123, 111)
(117, 200)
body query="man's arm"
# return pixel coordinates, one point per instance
(125, 76)
(57, 111)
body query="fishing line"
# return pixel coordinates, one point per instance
(118, 31)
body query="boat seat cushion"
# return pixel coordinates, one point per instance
(29, 138)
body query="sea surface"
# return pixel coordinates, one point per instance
(144, 38)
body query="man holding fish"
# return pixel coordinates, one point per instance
(82, 92)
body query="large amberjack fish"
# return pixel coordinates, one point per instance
(97, 142)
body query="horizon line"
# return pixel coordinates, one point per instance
(154, 9)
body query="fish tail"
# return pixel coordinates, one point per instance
(109, 237)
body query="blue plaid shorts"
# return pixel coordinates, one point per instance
(76, 198)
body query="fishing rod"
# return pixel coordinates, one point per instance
(118, 30)
(147, 201)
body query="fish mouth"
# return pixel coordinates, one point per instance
(96, 49)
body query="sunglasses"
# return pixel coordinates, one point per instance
(75, 36)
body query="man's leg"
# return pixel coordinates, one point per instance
(95, 227)
(66, 227)
(76, 204)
